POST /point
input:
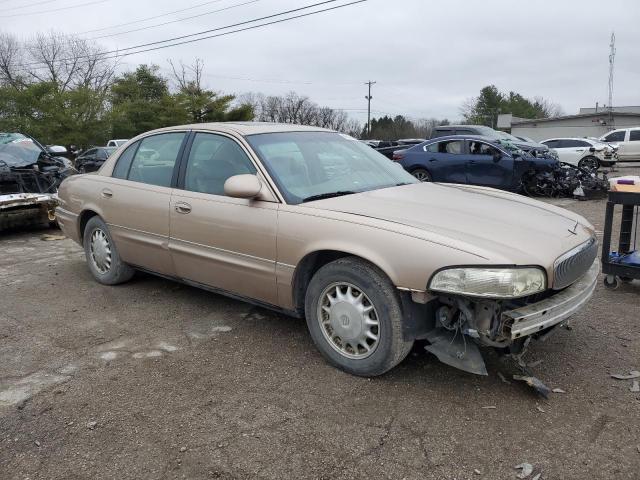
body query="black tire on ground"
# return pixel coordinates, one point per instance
(391, 348)
(590, 163)
(421, 174)
(118, 271)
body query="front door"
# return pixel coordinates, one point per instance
(488, 166)
(222, 242)
(137, 198)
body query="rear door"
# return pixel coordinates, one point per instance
(446, 161)
(488, 166)
(569, 151)
(136, 200)
(222, 242)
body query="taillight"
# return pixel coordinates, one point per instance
(397, 156)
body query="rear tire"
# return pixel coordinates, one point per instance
(102, 255)
(589, 163)
(421, 174)
(349, 303)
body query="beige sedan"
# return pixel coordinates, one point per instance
(318, 225)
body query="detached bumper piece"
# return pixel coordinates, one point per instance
(26, 209)
(542, 315)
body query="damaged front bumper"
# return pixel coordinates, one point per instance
(547, 313)
(462, 325)
(21, 209)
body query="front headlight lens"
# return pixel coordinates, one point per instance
(490, 282)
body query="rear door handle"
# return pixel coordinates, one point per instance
(106, 193)
(472, 162)
(433, 160)
(182, 207)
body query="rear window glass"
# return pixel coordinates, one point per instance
(634, 135)
(121, 169)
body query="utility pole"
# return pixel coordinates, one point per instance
(369, 97)
(612, 60)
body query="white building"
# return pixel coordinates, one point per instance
(588, 123)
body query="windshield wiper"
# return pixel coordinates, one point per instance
(328, 195)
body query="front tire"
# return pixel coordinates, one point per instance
(589, 163)
(102, 256)
(354, 317)
(421, 174)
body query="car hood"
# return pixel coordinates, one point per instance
(531, 146)
(495, 226)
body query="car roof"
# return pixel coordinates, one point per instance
(463, 137)
(247, 128)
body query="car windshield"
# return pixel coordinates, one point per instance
(311, 165)
(17, 150)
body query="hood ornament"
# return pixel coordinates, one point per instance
(574, 230)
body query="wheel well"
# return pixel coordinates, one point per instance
(84, 218)
(306, 269)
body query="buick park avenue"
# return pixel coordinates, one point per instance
(315, 224)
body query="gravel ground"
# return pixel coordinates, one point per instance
(154, 379)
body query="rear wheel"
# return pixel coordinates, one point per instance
(353, 314)
(421, 174)
(102, 256)
(589, 163)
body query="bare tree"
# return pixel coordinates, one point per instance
(63, 60)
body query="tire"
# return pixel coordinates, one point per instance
(611, 282)
(421, 174)
(589, 163)
(113, 272)
(356, 279)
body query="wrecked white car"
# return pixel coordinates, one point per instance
(29, 181)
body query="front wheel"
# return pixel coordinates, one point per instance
(421, 174)
(102, 256)
(589, 163)
(354, 317)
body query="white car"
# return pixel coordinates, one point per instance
(117, 143)
(583, 152)
(628, 142)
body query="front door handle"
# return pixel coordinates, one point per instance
(182, 207)
(472, 162)
(106, 193)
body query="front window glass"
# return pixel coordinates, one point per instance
(308, 164)
(615, 136)
(480, 148)
(155, 159)
(212, 160)
(17, 150)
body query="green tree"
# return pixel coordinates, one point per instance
(141, 102)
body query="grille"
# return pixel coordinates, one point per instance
(574, 264)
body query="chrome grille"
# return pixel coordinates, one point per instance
(574, 264)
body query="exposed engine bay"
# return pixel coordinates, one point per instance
(29, 181)
(566, 180)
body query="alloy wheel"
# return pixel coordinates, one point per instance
(348, 320)
(100, 251)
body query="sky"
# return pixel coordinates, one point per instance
(426, 56)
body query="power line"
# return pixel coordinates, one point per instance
(141, 20)
(20, 7)
(173, 21)
(54, 9)
(137, 47)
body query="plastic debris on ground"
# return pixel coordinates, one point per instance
(534, 383)
(527, 469)
(622, 376)
(635, 388)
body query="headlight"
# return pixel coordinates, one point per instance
(490, 282)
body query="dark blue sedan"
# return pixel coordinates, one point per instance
(470, 159)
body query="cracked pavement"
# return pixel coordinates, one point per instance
(183, 383)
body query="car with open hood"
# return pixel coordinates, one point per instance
(316, 224)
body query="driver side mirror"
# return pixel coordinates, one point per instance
(243, 186)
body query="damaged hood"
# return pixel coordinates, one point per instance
(496, 226)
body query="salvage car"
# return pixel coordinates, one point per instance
(29, 179)
(92, 159)
(473, 160)
(315, 224)
(534, 148)
(583, 152)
